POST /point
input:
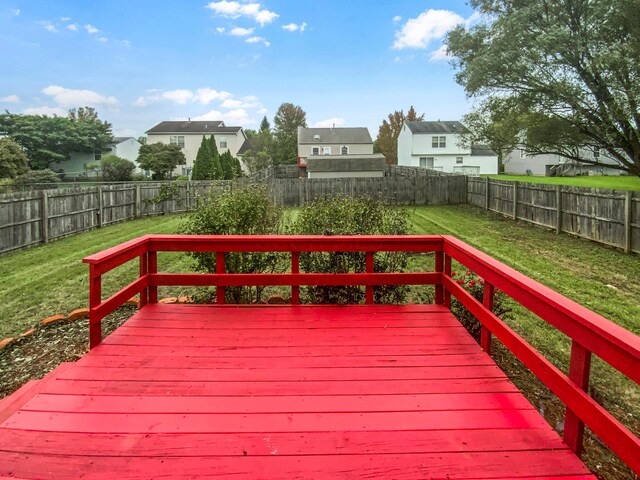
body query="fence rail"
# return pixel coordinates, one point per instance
(610, 217)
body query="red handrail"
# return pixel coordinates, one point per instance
(589, 332)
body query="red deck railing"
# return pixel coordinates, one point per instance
(589, 332)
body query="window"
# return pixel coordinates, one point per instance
(423, 162)
(326, 150)
(458, 160)
(438, 142)
(430, 161)
(315, 151)
(523, 153)
(596, 152)
(177, 140)
(344, 150)
(223, 142)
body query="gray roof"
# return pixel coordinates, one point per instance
(245, 146)
(436, 127)
(482, 151)
(342, 136)
(210, 126)
(346, 163)
(117, 140)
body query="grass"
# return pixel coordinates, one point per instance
(611, 182)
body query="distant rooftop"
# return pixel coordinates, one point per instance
(482, 151)
(357, 135)
(210, 126)
(346, 163)
(118, 140)
(436, 127)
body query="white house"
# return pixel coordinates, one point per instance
(519, 162)
(78, 163)
(338, 152)
(188, 135)
(437, 146)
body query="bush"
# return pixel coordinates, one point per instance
(37, 177)
(339, 215)
(116, 169)
(245, 210)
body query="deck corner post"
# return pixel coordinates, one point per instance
(220, 269)
(487, 301)
(447, 272)
(579, 369)
(295, 268)
(144, 270)
(152, 268)
(369, 268)
(439, 258)
(95, 299)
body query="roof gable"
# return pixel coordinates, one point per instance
(436, 127)
(209, 126)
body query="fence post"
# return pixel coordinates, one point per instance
(487, 301)
(558, 209)
(138, 202)
(515, 200)
(45, 216)
(486, 193)
(188, 196)
(627, 222)
(100, 207)
(579, 368)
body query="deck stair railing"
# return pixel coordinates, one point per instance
(590, 333)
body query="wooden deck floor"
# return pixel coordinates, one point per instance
(281, 392)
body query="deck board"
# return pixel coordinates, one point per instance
(285, 392)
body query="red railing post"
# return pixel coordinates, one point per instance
(152, 267)
(487, 301)
(295, 268)
(447, 272)
(439, 268)
(220, 268)
(144, 270)
(95, 299)
(579, 368)
(369, 268)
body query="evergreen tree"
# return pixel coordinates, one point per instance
(238, 167)
(227, 163)
(216, 168)
(202, 166)
(265, 126)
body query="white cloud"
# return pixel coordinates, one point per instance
(103, 39)
(65, 19)
(220, 29)
(180, 96)
(16, 12)
(247, 102)
(48, 26)
(50, 111)
(294, 27)
(241, 32)
(233, 9)
(126, 43)
(439, 54)
(259, 40)
(429, 25)
(330, 122)
(208, 95)
(10, 99)
(397, 18)
(66, 97)
(91, 29)
(233, 117)
(263, 111)
(140, 102)
(73, 27)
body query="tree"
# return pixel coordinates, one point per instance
(264, 125)
(49, 140)
(161, 159)
(216, 167)
(203, 164)
(116, 169)
(37, 178)
(387, 141)
(228, 165)
(567, 71)
(287, 120)
(13, 160)
(142, 140)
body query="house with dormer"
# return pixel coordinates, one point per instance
(438, 146)
(338, 152)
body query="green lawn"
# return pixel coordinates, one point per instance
(612, 182)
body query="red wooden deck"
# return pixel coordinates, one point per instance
(369, 391)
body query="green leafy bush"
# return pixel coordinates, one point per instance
(246, 210)
(116, 169)
(340, 215)
(37, 177)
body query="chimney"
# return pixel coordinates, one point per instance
(189, 119)
(334, 126)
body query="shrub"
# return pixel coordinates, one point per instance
(116, 169)
(37, 177)
(340, 215)
(246, 210)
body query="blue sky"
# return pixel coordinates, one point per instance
(349, 62)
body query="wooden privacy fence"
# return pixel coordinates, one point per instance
(30, 218)
(398, 190)
(611, 217)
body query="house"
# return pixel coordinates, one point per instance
(438, 146)
(188, 135)
(338, 152)
(519, 162)
(80, 163)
